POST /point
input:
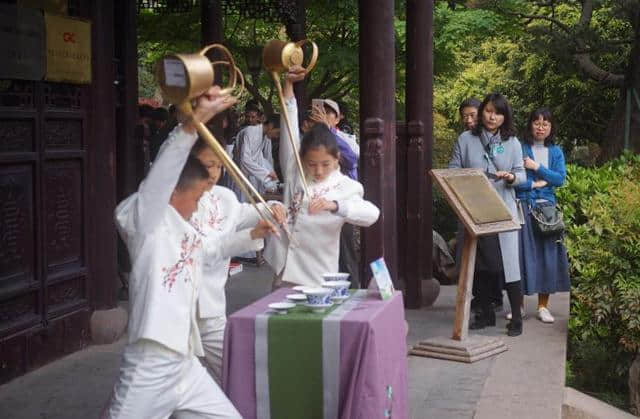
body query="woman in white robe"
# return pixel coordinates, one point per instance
(315, 221)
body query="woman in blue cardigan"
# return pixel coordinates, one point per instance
(543, 259)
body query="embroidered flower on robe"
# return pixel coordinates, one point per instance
(294, 207)
(296, 203)
(214, 217)
(182, 268)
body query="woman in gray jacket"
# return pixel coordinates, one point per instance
(492, 146)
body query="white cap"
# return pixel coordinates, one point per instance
(333, 105)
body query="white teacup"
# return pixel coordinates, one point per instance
(318, 296)
(335, 276)
(340, 288)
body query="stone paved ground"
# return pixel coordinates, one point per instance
(524, 382)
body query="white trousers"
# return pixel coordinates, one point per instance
(156, 382)
(212, 336)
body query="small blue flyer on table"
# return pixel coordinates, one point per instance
(382, 277)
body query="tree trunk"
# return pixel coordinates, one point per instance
(613, 141)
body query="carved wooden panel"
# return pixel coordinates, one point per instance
(65, 96)
(17, 135)
(63, 134)
(66, 293)
(60, 337)
(16, 225)
(17, 93)
(63, 203)
(18, 310)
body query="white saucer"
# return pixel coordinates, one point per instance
(300, 288)
(340, 299)
(318, 308)
(281, 308)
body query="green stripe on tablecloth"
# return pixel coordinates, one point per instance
(295, 364)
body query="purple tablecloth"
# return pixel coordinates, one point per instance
(372, 363)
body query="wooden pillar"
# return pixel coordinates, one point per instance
(126, 80)
(212, 32)
(419, 94)
(402, 143)
(377, 121)
(297, 31)
(102, 160)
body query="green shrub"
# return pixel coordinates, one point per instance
(602, 211)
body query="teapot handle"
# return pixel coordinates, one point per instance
(239, 75)
(314, 55)
(232, 74)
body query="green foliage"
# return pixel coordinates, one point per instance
(333, 26)
(602, 207)
(530, 61)
(444, 219)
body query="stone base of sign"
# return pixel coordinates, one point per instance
(472, 349)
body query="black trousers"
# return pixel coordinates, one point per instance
(489, 269)
(348, 260)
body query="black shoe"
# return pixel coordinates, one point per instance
(481, 321)
(514, 328)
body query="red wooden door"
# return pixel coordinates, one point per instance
(44, 273)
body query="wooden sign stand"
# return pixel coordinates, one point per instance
(482, 212)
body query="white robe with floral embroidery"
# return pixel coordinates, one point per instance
(221, 218)
(166, 254)
(318, 236)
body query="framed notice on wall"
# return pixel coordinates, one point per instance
(52, 6)
(68, 49)
(22, 47)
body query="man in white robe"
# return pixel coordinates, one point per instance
(160, 373)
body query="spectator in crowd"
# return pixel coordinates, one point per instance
(161, 125)
(545, 268)
(252, 113)
(493, 147)
(252, 153)
(344, 125)
(469, 113)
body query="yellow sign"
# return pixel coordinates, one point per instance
(68, 49)
(52, 6)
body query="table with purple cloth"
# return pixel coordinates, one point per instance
(349, 362)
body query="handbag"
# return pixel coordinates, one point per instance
(548, 220)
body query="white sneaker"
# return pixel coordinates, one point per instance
(545, 316)
(509, 315)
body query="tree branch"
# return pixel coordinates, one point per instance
(598, 74)
(583, 59)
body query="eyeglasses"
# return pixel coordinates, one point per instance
(541, 124)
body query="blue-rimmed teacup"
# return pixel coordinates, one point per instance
(340, 288)
(318, 296)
